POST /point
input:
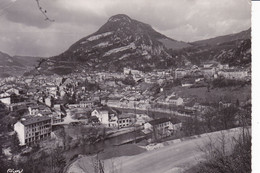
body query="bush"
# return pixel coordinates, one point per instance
(219, 160)
(129, 80)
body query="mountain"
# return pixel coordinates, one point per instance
(9, 66)
(233, 49)
(16, 65)
(28, 61)
(125, 42)
(7, 60)
(120, 42)
(243, 35)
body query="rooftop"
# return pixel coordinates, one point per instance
(33, 120)
(159, 121)
(127, 115)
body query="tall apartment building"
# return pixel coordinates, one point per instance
(33, 129)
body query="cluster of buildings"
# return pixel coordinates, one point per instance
(92, 97)
(214, 70)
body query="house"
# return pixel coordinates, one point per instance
(49, 101)
(190, 105)
(85, 104)
(113, 121)
(30, 130)
(187, 82)
(223, 66)
(52, 90)
(39, 109)
(133, 72)
(127, 71)
(151, 79)
(176, 100)
(137, 77)
(112, 102)
(13, 90)
(28, 80)
(33, 110)
(126, 120)
(5, 98)
(17, 106)
(208, 72)
(102, 116)
(141, 119)
(233, 74)
(94, 120)
(200, 78)
(31, 91)
(208, 65)
(224, 104)
(180, 73)
(57, 107)
(162, 127)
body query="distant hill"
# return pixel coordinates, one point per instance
(226, 38)
(233, 49)
(7, 60)
(28, 61)
(16, 65)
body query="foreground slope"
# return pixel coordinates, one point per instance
(175, 157)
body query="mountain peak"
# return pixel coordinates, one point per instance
(120, 17)
(120, 42)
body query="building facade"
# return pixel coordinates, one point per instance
(102, 116)
(33, 129)
(162, 127)
(180, 73)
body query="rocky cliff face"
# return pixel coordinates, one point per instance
(120, 42)
(125, 42)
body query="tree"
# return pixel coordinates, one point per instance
(58, 161)
(63, 136)
(209, 118)
(227, 117)
(192, 126)
(220, 158)
(237, 103)
(15, 144)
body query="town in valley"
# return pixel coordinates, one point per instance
(129, 99)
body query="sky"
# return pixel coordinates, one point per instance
(24, 30)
